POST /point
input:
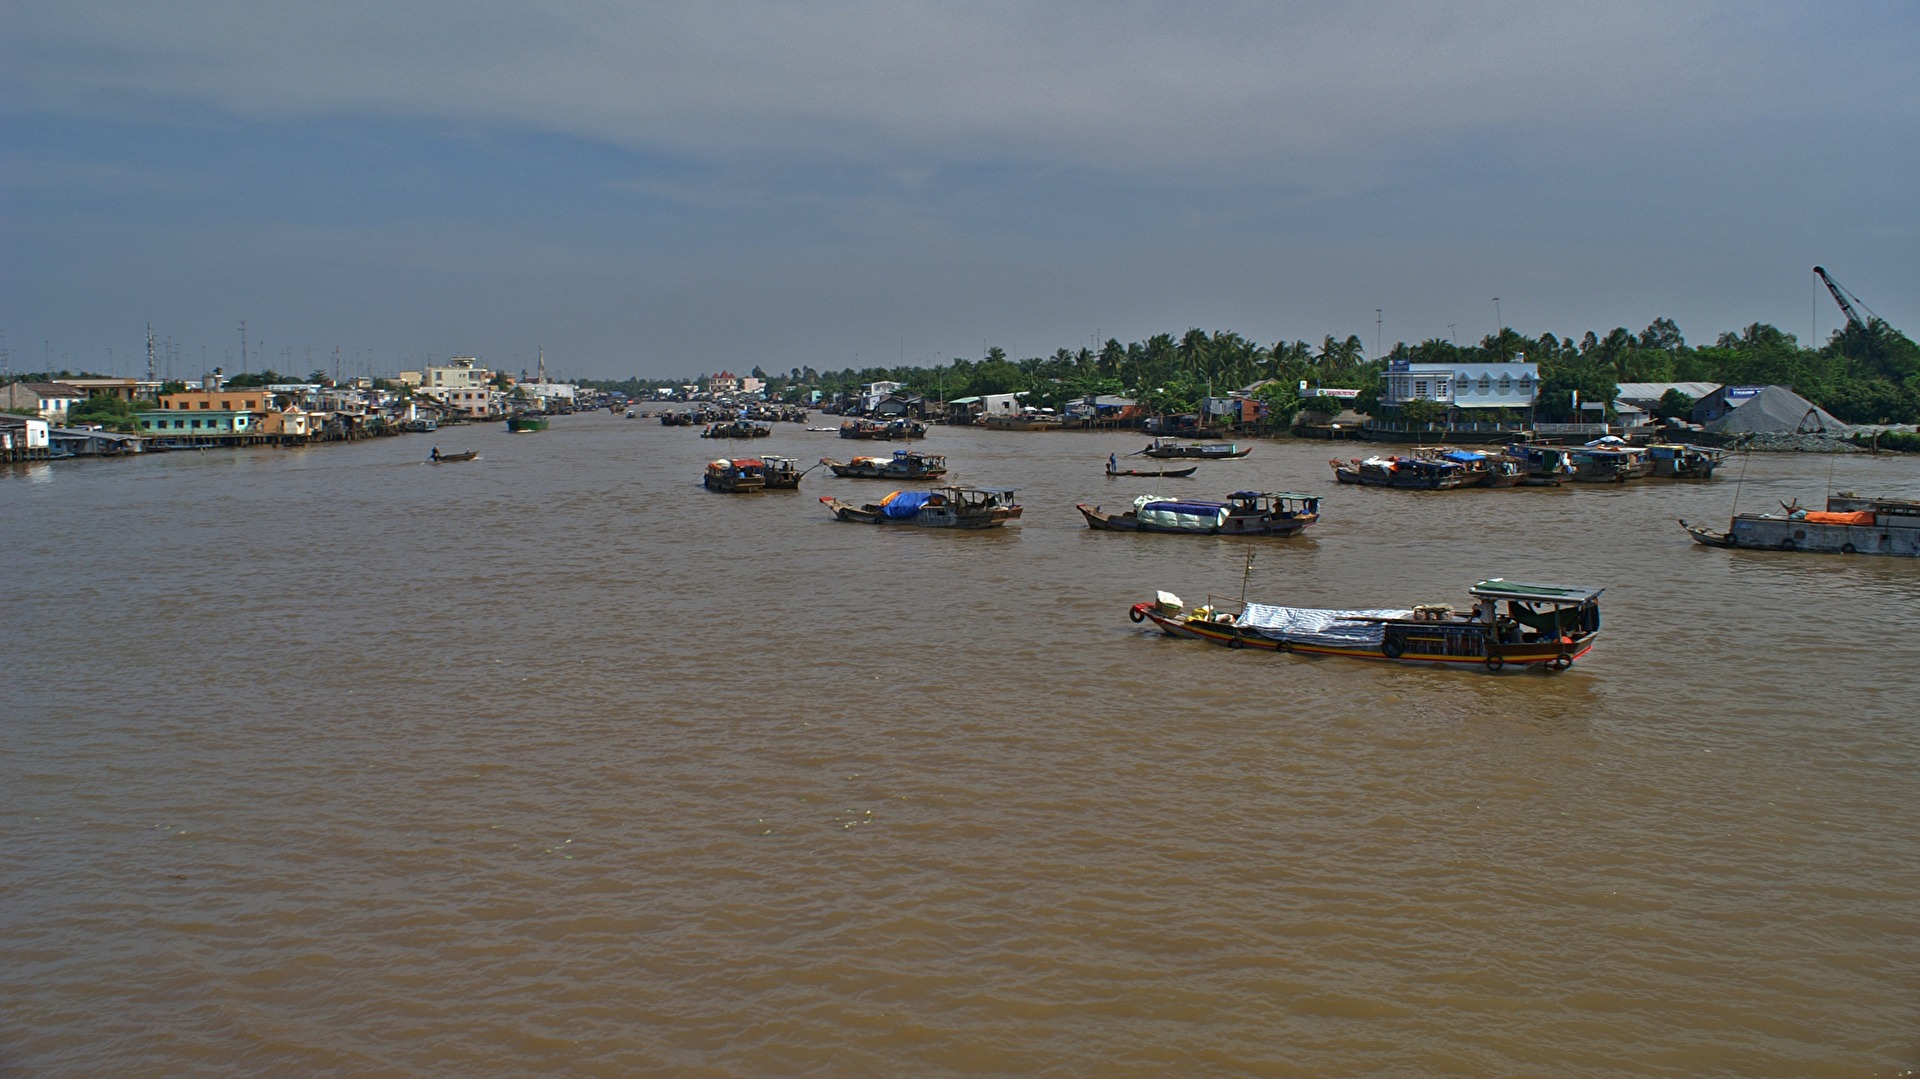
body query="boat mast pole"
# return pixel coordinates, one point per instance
(1246, 574)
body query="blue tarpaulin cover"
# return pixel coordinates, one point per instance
(1465, 457)
(907, 503)
(1201, 509)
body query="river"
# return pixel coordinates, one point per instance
(328, 761)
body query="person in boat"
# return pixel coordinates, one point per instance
(1113, 462)
(435, 455)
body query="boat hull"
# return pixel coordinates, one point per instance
(1159, 473)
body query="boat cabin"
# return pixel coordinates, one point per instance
(1535, 612)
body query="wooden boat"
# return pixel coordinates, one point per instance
(783, 473)
(1678, 461)
(1479, 468)
(883, 430)
(1850, 524)
(1167, 447)
(1541, 626)
(670, 418)
(1114, 469)
(736, 429)
(903, 465)
(1609, 464)
(1243, 513)
(942, 507)
(1395, 471)
(1546, 466)
(523, 423)
(736, 475)
(439, 458)
(1023, 421)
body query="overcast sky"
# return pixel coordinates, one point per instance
(661, 188)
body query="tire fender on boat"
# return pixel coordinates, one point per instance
(1560, 662)
(1138, 613)
(1391, 648)
(1494, 663)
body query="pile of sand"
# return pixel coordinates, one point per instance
(1776, 410)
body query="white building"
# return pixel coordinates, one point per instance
(464, 373)
(463, 385)
(549, 392)
(1483, 385)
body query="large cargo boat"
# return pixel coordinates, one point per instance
(942, 507)
(1242, 513)
(1543, 626)
(1850, 524)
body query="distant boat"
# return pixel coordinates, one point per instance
(439, 458)
(903, 465)
(1153, 473)
(524, 423)
(1166, 447)
(883, 430)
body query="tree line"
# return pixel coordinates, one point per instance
(1864, 373)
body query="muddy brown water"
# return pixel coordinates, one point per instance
(329, 761)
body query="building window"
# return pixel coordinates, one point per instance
(1506, 384)
(1486, 385)
(205, 404)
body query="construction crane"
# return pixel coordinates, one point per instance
(1841, 297)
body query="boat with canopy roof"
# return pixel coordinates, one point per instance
(942, 507)
(1242, 513)
(1508, 624)
(903, 465)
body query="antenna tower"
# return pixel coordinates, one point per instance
(243, 346)
(149, 352)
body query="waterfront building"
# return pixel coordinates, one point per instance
(1461, 386)
(24, 438)
(50, 400)
(127, 389)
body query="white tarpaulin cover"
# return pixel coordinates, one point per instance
(1314, 625)
(1171, 513)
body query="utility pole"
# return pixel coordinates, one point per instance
(1378, 318)
(150, 371)
(243, 346)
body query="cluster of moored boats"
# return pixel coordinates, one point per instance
(1505, 626)
(1527, 464)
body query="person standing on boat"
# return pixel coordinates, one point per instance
(1113, 462)
(435, 455)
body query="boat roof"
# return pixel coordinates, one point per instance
(1501, 588)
